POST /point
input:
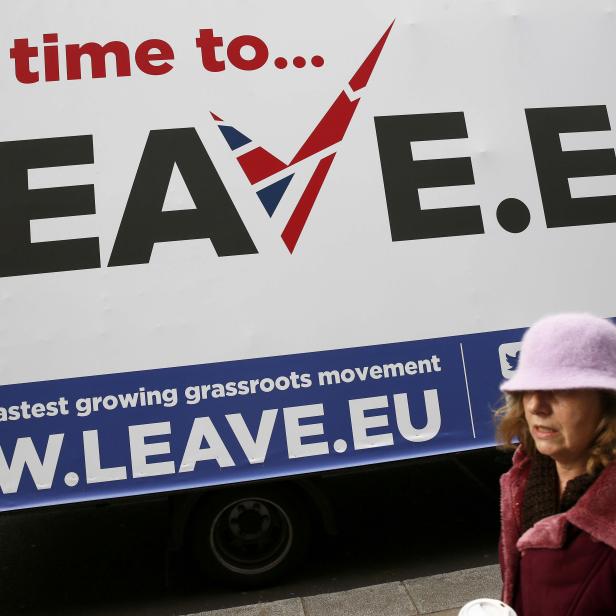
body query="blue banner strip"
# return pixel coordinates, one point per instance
(116, 435)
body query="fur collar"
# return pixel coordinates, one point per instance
(594, 513)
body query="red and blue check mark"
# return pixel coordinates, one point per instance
(259, 165)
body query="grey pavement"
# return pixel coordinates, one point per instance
(437, 595)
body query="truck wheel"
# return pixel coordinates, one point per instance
(249, 537)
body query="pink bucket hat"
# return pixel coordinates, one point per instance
(566, 351)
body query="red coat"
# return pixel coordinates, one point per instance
(565, 565)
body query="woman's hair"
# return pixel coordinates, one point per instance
(511, 425)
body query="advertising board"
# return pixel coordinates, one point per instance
(242, 240)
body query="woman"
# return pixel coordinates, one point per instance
(558, 501)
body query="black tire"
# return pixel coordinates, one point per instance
(249, 537)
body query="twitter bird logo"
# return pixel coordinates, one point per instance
(512, 360)
(509, 355)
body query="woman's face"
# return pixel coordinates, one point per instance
(563, 423)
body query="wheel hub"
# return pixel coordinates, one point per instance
(251, 535)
